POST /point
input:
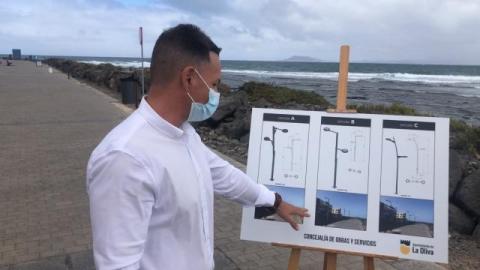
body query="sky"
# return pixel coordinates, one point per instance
(385, 31)
(295, 196)
(422, 209)
(355, 204)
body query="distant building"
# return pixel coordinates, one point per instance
(336, 211)
(401, 215)
(17, 54)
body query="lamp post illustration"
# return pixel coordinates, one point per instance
(272, 140)
(355, 143)
(413, 139)
(392, 140)
(343, 150)
(291, 149)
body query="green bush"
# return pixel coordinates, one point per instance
(395, 109)
(281, 95)
(465, 137)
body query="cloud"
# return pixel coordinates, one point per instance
(419, 31)
(97, 28)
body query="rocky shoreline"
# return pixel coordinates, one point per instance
(228, 129)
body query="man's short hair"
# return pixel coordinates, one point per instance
(177, 47)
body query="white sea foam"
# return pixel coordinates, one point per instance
(353, 76)
(125, 64)
(469, 84)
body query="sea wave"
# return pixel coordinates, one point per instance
(356, 76)
(460, 80)
(124, 64)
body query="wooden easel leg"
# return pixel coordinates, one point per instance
(368, 263)
(330, 261)
(294, 260)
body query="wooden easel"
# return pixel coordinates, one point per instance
(330, 257)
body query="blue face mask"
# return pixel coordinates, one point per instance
(200, 111)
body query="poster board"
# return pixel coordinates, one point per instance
(375, 184)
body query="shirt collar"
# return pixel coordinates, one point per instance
(162, 125)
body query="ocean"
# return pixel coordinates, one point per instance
(440, 90)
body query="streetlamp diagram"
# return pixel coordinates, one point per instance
(291, 148)
(392, 140)
(343, 150)
(272, 140)
(357, 139)
(418, 149)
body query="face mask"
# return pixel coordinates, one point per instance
(199, 111)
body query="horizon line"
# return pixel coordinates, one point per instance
(146, 59)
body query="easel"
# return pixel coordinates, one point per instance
(330, 257)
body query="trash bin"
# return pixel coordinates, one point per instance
(128, 88)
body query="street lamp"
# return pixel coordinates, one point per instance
(411, 216)
(391, 204)
(329, 211)
(392, 140)
(343, 150)
(272, 140)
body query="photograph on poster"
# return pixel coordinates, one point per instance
(341, 210)
(408, 159)
(406, 216)
(295, 196)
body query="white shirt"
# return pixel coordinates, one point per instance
(151, 186)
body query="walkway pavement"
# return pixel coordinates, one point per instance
(48, 127)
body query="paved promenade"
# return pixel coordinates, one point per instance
(48, 127)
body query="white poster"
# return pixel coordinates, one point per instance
(375, 184)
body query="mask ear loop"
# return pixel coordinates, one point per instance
(201, 78)
(188, 94)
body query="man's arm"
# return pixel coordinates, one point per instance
(121, 197)
(233, 184)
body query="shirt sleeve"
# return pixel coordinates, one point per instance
(121, 198)
(234, 184)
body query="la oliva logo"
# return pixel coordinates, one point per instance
(405, 247)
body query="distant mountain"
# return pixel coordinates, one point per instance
(297, 58)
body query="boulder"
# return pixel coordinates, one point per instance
(245, 138)
(457, 167)
(229, 104)
(471, 167)
(476, 232)
(459, 221)
(235, 129)
(467, 195)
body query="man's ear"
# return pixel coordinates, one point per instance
(187, 76)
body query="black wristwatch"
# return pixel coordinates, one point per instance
(278, 201)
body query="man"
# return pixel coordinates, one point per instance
(151, 180)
